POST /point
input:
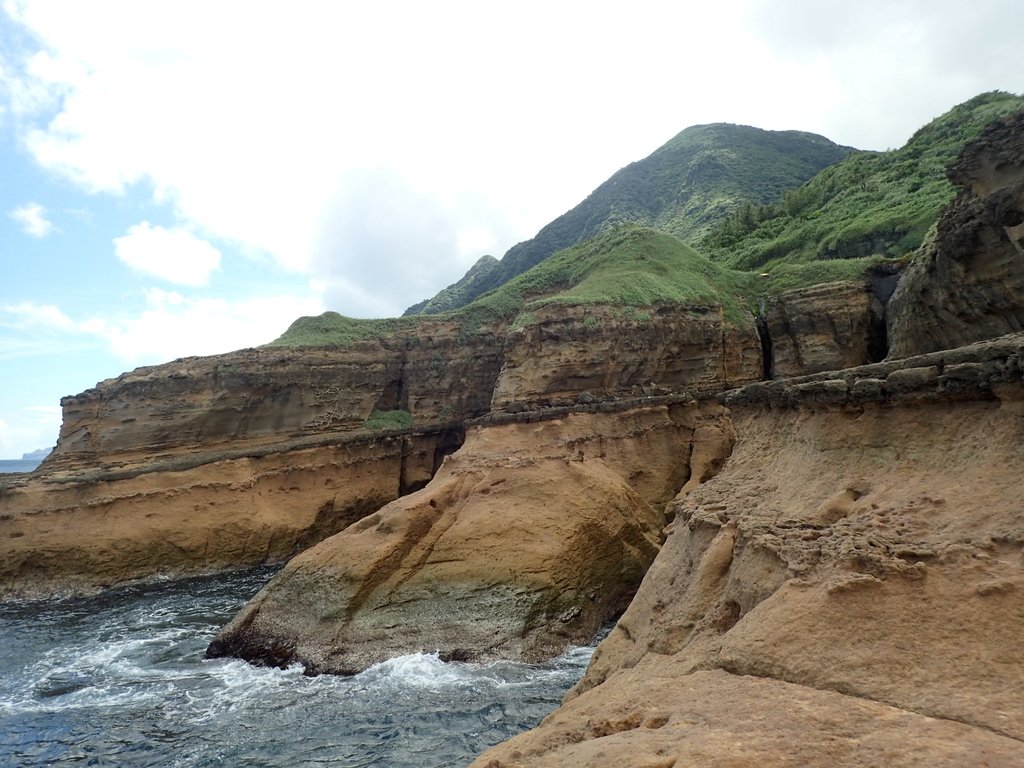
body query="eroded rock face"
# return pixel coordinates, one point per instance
(863, 561)
(661, 714)
(274, 395)
(823, 328)
(969, 285)
(152, 448)
(78, 534)
(603, 350)
(525, 541)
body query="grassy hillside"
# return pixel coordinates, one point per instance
(629, 266)
(880, 203)
(635, 266)
(683, 188)
(334, 330)
(837, 226)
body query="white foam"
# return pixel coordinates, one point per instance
(420, 670)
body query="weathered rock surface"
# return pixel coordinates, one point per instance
(526, 540)
(604, 350)
(140, 454)
(196, 513)
(267, 396)
(845, 591)
(661, 714)
(969, 284)
(823, 328)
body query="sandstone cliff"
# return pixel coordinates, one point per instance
(610, 351)
(249, 457)
(237, 459)
(527, 540)
(272, 395)
(845, 591)
(822, 328)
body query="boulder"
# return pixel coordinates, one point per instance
(525, 542)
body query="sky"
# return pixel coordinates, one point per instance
(187, 178)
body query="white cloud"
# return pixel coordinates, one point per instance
(28, 315)
(32, 217)
(173, 325)
(175, 255)
(170, 325)
(260, 142)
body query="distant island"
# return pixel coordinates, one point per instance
(36, 455)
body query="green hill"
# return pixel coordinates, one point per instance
(870, 203)
(683, 188)
(629, 266)
(635, 266)
(837, 226)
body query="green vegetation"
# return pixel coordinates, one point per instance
(453, 295)
(863, 210)
(784, 277)
(386, 420)
(332, 329)
(871, 203)
(683, 188)
(634, 268)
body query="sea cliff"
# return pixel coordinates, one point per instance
(802, 504)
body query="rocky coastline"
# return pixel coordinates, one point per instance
(808, 522)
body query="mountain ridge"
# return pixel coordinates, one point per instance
(682, 188)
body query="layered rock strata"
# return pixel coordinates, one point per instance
(269, 396)
(188, 514)
(857, 563)
(526, 540)
(140, 455)
(610, 351)
(822, 328)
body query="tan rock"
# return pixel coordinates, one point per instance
(608, 350)
(663, 715)
(524, 542)
(824, 328)
(272, 395)
(72, 535)
(864, 564)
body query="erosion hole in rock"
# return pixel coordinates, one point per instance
(393, 397)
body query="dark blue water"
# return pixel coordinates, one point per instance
(120, 680)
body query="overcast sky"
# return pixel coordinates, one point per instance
(183, 178)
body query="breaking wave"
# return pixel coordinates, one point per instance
(120, 679)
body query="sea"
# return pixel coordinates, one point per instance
(18, 465)
(119, 679)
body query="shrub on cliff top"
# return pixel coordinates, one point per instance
(382, 420)
(870, 203)
(334, 330)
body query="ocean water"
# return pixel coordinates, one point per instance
(120, 680)
(18, 465)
